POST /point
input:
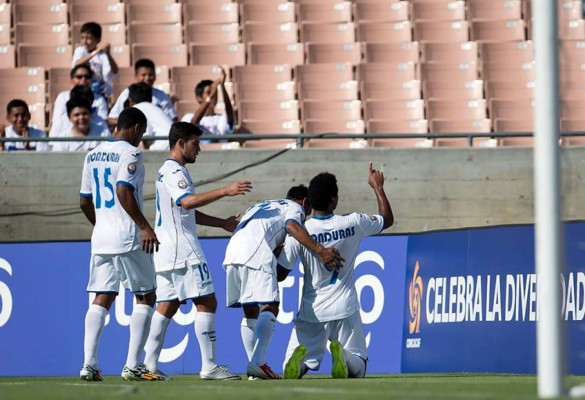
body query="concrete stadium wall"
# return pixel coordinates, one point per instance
(429, 189)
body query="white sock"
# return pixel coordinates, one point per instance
(95, 319)
(139, 328)
(205, 332)
(247, 330)
(356, 366)
(155, 341)
(262, 336)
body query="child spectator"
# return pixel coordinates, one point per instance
(79, 113)
(145, 72)
(102, 64)
(81, 75)
(205, 116)
(18, 115)
(157, 122)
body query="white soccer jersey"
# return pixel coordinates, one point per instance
(261, 229)
(114, 162)
(328, 295)
(174, 226)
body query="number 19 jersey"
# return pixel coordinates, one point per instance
(114, 162)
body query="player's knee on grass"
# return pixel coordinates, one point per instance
(356, 366)
(206, 303)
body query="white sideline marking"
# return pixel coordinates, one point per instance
(13, 383)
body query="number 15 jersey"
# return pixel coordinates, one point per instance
(114, 162)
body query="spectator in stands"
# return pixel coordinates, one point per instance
(158, 123)
(145, 72)
(81, 75)
(98, 56)
(205, 116)
(18, 116)
(62, 124)
(79, 112)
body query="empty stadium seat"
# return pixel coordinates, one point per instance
(409, 110)
(407, 90)
(456, 109)
(384, 32)
(50, 35)
(170, 55)
(460, 126)
(397, 126)
(333, 53)
(268, 12)
(328, 32)
(331, 110)
(7, 56)
(441, 31)
(518, 52)
(103, 13)
(269, 91)
(481, 10)
(248, 74)
(258, 32)
(572, 29)
(391, 52)
(327, 90)
(385, 72)
(260, 127)
(317, 73)
(384, 11)
(509, 90)
(154, 13)
(464, 52)
(212, 33)
(276, 53)
(44, 56)
(210, 13)
(498, 30)
(325, 12)
(161, 34)
(464, 90)
(40, 13)
(453, 72)
(220, 54)
(268, 110)
(438, 11)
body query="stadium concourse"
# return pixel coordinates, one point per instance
(314, 66)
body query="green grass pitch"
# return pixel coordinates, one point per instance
(322, 387)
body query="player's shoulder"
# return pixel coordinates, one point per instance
(172, 167)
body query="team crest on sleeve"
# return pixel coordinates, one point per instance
(182, 184)
(132, 168)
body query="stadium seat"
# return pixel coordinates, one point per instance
(438, 11)
(397, 126)
(4, 33)
(269, 91)
(154, 13)
(441, 31)
(519, 73)
(384, 72)
(382, 11)
(170, 55)
(328, 32)
(260, 127)
(276, 53)
(24, 76)
(219, 54)
(513, 125)
(268, 12)
(572, 30)
(271, 144)
(258, 32)
(59, 81)
(522, 109)
(409, 110)
(112, 33)
(509, 90)
(268, 110)
(37, 115)
(570, 10)
(324, 12)
(571, 52)
(384, 32)
(331, 110)
(391, 52)
(326, 90)
(5, 13)
(32, 94)
(464, 52)
(247, 74)
(317, 73)
(333, 53)
(40, 13)
(210, 13)
(211, 33)
(50, 35)
(518, 52)
(121, 53)
(453, 72)
(461, 126)
(7, 56)
(161, 34)
(572, 109)
(480, 10)
(82, 11)
(498, 30)
(470, 90)
(572, 125)
(44, 56)
(407, 90)
(456, 109)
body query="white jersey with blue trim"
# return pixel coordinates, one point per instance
(260, 231)
(175, 227)
(114, 162)
(328, 295)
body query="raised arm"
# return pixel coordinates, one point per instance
(200, 112)
(376, 181)
(130, 205)
(328, 255)
(202, 199)
(229, 109)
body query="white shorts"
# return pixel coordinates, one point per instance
(314, 335)
(248, 286)
(134, 269)
(185, 283)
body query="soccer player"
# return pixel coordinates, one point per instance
(122, 242)
(329, 307)
(182, 272)
(251, 269)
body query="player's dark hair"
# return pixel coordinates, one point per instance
(322, 189)
(140, 92)
(129, 117)
(14, 103)
(144, 63)
(74, 70)
(93, 28)
(299, 193)
(183, 130)
(83, 92)
(201, 87)
(77, 102)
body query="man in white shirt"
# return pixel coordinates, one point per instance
(251, 279)
(145, 72)
(159, 124)
(329, 307)
(182, 272)
(206, 93)
(122, 242)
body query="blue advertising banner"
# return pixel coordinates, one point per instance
(471, 301)
(43, 303)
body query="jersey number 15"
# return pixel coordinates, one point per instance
(107, 185)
